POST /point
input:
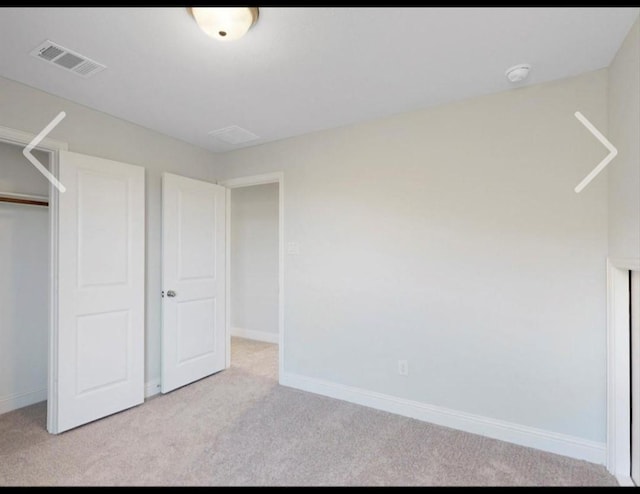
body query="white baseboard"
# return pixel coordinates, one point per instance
(151, 388)
(552, 442)
(19, 400)
(625, 481)
(255, 335)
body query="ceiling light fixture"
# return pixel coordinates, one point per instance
(225, 23)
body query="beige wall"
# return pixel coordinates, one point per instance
(95, 133)
(624, 133)
(452, 238)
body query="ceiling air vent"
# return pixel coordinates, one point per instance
(67, 59)
(233, 135)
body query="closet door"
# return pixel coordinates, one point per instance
(100, 335)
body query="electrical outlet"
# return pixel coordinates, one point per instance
(403, 367)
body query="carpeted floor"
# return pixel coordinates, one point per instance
(240, 427)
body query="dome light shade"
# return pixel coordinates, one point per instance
(518, 72)
(225, 23)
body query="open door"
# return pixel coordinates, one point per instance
(193, 280)
(98, 350)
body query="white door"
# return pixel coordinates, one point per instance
(101, 258)
(193, 280)
(635, 376)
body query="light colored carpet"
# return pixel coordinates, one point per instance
(240, 427)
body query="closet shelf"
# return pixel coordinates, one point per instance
(32, 200)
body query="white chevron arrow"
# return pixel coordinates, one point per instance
(612, 152)
(36, 140)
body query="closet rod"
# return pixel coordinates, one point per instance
(24, 199)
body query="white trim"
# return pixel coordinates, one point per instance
(265, 178)
(634, 361)
(23, 138)
(629, 263)
(618, 365)
(227, 279)
(53, 147)
(52, 397)
(151, 388)
(19, 400)
(552, 442)
(625, 481)
(255, 335)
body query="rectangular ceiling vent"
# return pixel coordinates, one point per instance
(233, 135)
(67, 59)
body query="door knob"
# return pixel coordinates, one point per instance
(171, 293)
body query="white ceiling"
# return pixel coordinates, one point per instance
(300, 70)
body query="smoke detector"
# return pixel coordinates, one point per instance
(518, 72)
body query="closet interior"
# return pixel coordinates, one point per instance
(24, 278)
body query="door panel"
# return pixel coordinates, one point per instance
(98, 265)
(193, 262)
(100, 364)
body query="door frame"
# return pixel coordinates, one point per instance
(247, 181)
(618, 367)
(52, 147)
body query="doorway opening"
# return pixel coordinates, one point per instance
(254, 274)
(45, 197)
(25, 264)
